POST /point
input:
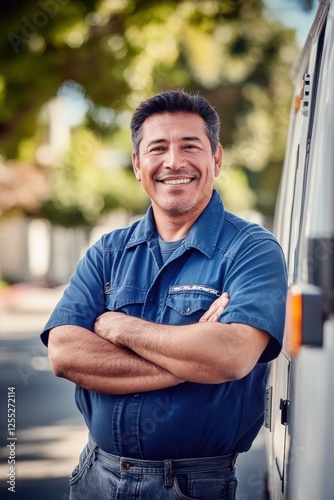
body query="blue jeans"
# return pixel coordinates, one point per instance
(102, 476)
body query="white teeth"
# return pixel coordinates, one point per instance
(177, 181)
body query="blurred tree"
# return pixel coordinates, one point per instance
(122, 51)
(81, 191)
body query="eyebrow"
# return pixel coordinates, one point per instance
(192, 138)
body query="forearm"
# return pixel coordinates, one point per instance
(194, 351)
(100, 366)
(204, 352)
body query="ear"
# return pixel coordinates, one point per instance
(217, 158)
(136, 166)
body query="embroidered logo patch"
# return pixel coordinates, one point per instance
(194, 288)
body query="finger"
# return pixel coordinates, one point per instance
(212, 311)
(216, 308)
(224, 300)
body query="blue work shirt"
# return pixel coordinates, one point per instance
(125, 272)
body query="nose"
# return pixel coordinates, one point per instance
(174, 158)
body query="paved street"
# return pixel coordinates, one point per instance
(49, 429)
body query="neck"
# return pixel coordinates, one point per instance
(173, 227)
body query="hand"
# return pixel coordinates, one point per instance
(216, 308)
(110, 325)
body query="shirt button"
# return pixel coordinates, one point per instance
(187, 309)
(126, 465)
(152, 300)
(135, 395)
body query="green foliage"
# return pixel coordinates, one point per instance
(81, 190)
(122, 51)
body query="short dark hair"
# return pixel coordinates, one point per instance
(176, 101)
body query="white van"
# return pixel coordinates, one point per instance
(300, 391)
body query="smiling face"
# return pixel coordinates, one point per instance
(176, 165)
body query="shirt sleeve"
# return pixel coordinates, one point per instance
(83, 300)
(257, 286)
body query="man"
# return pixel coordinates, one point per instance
(167, 326)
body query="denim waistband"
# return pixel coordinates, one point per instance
(166, 467)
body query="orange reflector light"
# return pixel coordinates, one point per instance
(297, 103)
(294, 321)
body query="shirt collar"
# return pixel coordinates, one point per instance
(203, 235)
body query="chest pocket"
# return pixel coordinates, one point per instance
(191, 300)
(127, 299)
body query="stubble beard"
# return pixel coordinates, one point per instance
(177, 207)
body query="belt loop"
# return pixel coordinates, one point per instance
(91, 456)
(168, 473)
(234, 460)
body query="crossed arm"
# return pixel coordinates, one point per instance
(129, 354)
